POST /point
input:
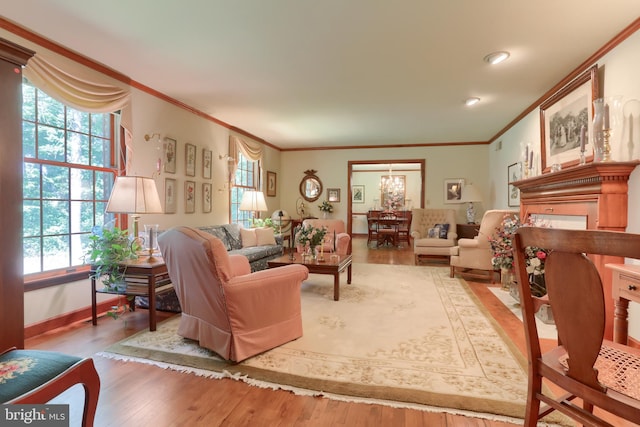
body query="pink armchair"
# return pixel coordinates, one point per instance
(225, 307)
(332, 225)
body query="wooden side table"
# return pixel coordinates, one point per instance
(137, 272)
(467, 231)
(625, 288)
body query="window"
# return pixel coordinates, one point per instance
(245, 179)
(69, 170)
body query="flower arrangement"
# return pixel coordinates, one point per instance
(310, 235)
(502, 247)
(326, 207)
(393, 200)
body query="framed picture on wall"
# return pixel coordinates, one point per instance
(333, 195)
(565, 120)
(271, 184)
(206, 197)
(169, 148)
(190, 159)
(206, 163)
(513, 193)
(189, 197)
(169, 195)
(453, 190)
(357, 194)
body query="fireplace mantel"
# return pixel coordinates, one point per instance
(596, 191)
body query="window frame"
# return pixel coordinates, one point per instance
(71, 273)
(245, 179)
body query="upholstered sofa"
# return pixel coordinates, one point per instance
(433, 232)
(264, 248)
(238, 241)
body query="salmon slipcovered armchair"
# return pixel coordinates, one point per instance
(334, 227)
(225, 307)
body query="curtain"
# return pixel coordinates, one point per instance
(82, 89)
(250, 149)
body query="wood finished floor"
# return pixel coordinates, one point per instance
(138, 395)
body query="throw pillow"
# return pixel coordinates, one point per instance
(433, 233)
(265, 236)
(443, 230)
(248, 236)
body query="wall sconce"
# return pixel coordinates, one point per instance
(148, 137)
(225, 157)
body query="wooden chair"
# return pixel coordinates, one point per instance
(387, 231)
(404, 227)
(372, 226)
(599, 372)
(36, 377)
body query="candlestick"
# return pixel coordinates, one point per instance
(606, 116)
(531, 160)
(583, 137)
(334, 240)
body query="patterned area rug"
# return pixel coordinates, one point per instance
(399, 333)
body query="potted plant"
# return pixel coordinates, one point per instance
(108, 248)
(326, 208)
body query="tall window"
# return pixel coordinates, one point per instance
(69, 170)
(246, 179)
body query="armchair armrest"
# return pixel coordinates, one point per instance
(342, 243)
(468, 243)
(416, 234)
(262, 298)
(239, 265)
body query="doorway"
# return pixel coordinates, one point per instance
(364, 190)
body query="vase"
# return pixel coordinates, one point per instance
(313, 253)
(598, 130)
(506, 278)
(325, 215)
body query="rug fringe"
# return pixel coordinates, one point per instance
(305, 392)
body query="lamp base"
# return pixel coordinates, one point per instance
(471, 214)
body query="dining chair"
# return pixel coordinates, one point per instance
(404, 227)
(372, 226)
(599, 372)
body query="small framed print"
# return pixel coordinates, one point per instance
(189, 197)
(271, 184)
(206, 163)
(513, 193)
(357, 194)
(190, 159)
(453, 190)
(333, 195)
(169, 195)
(206, 197)
(169, 147)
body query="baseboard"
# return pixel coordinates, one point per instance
(67, 319)
(632, 342)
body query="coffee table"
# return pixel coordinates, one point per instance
(328, 266)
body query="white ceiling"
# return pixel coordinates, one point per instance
(299, 73)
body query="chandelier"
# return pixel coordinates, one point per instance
(392, 189)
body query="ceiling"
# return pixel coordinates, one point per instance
(303, 74)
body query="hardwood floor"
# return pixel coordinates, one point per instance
(134, 394)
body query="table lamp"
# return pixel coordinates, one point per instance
(253, 201)
(470, 194)
(135, 195)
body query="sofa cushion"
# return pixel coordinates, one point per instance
(233, 235)
(219, 232)
(265, 236)
(248, 237)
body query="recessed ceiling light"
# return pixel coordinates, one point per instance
(496, 57)
(471, 101)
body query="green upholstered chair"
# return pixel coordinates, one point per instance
(36, 377)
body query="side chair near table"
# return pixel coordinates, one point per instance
(599, 372)
(36, 377)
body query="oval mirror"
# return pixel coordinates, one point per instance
(310, 186)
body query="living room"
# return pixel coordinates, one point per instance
(484, 164)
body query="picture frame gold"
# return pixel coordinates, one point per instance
(170, 196)
(189, 196)
(333, 195)
(190, 159)
(271, 184)
(453, 190)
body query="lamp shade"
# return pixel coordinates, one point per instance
(134, 195)
(253, 201)
(470, 194)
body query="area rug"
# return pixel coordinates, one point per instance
(399, 333)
